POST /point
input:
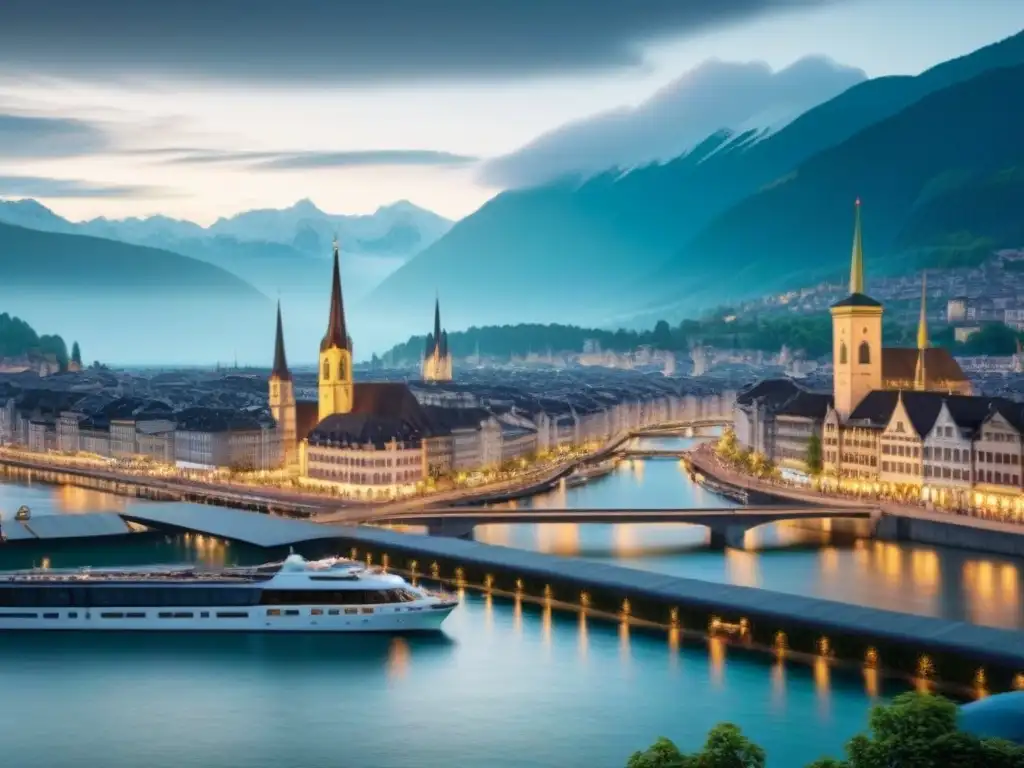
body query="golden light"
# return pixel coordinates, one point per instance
(585, 599)
(626, 607)
(547, 592)
(488, 581)
(354, 554)
(673, 617)
(1018, 682)
(781, 642)
(824, 648)
(925, 667)
(519, 585)
(413, 566)
(385, 560)
(871, 658)
(980, 680)
(435, 570)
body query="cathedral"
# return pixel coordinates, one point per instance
(437, 359)
(372, 439)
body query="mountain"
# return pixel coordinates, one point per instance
(601, 240)
(130, 303)
(272, 249)
(940, 181)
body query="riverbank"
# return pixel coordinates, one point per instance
(899, 522)
(268, 499)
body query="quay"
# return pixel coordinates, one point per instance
(955, 653)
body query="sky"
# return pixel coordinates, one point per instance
(199, 109)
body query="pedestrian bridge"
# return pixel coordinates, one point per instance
(728, 525)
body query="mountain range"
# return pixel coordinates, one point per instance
(130, 303)
(272, 249)
(742, 213)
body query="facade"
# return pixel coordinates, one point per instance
(437, 358)
(208, 438)
(899, 422)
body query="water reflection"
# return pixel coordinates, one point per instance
(398, 658)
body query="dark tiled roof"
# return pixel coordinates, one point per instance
(445, 420)
(900, 364)
(968, 411)
(215, 420)
(857, 300)
(772, 391)
(307, 414)
(811, 405)
(381, 412)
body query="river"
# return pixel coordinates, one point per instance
(504, 685)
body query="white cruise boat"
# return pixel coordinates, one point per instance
(295, 595)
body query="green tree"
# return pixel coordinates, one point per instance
(813, 459)
(920, 731)
(76, 353)
(726, 747)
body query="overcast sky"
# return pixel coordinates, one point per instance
(203, 108)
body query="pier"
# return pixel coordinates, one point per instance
(893, 643)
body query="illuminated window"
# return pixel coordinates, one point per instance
(864, 353)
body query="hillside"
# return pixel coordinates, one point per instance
(18, 338)
(130, 303)
(521, 253)
(938, 181)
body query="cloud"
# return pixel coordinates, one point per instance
(25, 136)
(349, 40)
(41, 187)
(715, 95)
(306, 160)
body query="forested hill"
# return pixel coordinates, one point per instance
(18, 338)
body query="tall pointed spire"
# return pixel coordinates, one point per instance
(437, 319)
(857, 260)
(280, 369)
(920, 373)
(336, 335)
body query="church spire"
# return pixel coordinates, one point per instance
(336, 335)
(857, 260)
(437, 319)
(280, 369)
(922, 337)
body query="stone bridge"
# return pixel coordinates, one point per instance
(728, 525)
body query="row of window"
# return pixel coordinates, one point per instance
(863, 353)
(365, 478)
(31, 596)
(904, 468)
(909, 451)
(191, 614)
(329, 457)
(998, 458)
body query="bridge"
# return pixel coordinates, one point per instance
(728, 525)
(684, 425)
(654, 453)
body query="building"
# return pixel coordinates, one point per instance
(899, 422)
(437, 358)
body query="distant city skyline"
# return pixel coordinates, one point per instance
(264, 110)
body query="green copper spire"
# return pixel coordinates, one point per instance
(857, 262)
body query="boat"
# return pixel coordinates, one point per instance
(294, 595)
(23, 513)
(584, 474)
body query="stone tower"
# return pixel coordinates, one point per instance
(856, 337)
(282, 399)
(335, 372)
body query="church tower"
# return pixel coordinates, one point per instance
(856, 337)
(437, 360)
(920, 372)
(335, 373)
(282, 398)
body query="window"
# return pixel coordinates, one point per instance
(326, 375)
(864, 353)
(111, 615)
(51, 615)
(274, 612)
(234, 614)
(842, 353)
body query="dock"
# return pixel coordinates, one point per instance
(900, 644)
(64, 527)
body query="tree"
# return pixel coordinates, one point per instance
(920, 731)
(813, 459)
(727, 447)
(726, 747)
(662, 336)
(76, 354)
